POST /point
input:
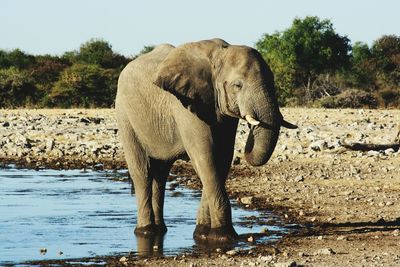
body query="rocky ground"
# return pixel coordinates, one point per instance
(346, 201)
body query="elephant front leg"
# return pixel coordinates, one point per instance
(203, 221)
(218, 203)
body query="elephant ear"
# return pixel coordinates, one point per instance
(187, 73)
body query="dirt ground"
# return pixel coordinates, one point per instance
(345, 202)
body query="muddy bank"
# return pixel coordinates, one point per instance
(348, 200)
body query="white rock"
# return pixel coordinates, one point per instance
(389, 151)
(325, 251)
(247, 200)
(373, 153)
(232, 252)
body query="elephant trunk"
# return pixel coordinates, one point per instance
(260, 144)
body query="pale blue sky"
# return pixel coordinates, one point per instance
(56, 26)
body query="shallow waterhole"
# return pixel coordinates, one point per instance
(66, 214)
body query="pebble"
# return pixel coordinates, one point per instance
(232, 252)
(247, 200)
(396, 232)
(299, 178)
(325, 251)
(373, 153)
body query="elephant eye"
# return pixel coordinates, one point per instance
(238, 84)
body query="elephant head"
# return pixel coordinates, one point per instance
(214, 80)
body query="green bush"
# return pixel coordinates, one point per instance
(84, 85)
(17, 88)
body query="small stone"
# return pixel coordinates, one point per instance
(49, 145)
(267, 258)
(43, 251)
(192, 264)
(373, 153)
(299, 178)
(264, 230)
(320, 237)
(247, 200)
(318, 145)
(396, 232)
(389, 203)
(6, 124)
(251, 239)
(218, 250)
(342, 237)
(60, 253)
(232, 252)
(389, 151)
(325, 251)
(155, 248)
(123, 259)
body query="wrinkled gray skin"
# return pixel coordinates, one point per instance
(187, 100)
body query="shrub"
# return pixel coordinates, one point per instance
(17, 88)
(390, 97)
(351, 98)
(84, 85)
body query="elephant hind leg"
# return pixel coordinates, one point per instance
(138, 165)
(159, 173)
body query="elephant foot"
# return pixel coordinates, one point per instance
(201, 231)
(161, 228)
(220, 235)
(151, 230)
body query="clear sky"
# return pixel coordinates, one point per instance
(56, 26)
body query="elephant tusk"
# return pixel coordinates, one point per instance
(251, 120)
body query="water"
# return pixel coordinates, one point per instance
(74, 214)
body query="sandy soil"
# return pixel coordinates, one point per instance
(346, 202)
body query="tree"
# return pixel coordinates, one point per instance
(97, 51)
(84, 85)
(16, 58)
(362, 71)
(17, 88)
(386, 52)
(309, 48)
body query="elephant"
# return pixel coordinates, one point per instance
(186, 101)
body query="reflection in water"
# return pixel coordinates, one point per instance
(73, 213)
(150, 245)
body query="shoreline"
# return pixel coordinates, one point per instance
(348, 201)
